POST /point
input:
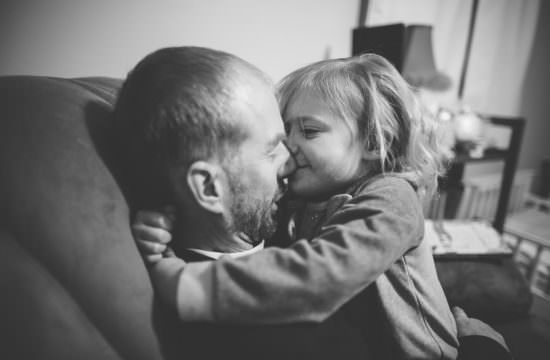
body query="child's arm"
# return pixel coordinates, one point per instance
(307, 281)
(152, 240)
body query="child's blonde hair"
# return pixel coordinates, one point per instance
(368, 90)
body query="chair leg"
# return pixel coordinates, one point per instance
(533, 267)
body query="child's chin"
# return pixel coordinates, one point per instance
(297, 189)
(302, 190)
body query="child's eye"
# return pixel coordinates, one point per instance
(310, 133)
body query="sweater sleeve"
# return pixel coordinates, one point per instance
(308, 281)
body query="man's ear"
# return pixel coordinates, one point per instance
(205, 182)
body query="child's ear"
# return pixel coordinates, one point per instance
(205, 185)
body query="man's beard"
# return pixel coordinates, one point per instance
(250, 215)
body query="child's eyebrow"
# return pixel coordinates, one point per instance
(302, 118)
(309, 120)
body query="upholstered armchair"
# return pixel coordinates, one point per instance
(72, 283)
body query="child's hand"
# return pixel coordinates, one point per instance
(151, 232)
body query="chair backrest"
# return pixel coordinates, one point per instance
(527, 231)
(479, 199)
(434, 206)
(72, 281)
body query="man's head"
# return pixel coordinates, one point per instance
(206, 128)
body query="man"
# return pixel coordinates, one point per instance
(207, 127)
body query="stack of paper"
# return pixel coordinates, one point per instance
(464, 237)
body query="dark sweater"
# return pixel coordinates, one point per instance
(335, 338)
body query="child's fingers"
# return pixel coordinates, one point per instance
(154, 219)
(149, 247)
(459, 313)
(147, 233)
(169, 252)
(152, 259)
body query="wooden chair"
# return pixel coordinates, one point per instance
(527, 230)
(434, 206)
(480, 196)
(526, 227)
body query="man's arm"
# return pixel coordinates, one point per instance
(309, 280)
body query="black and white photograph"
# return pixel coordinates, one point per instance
(275, 179)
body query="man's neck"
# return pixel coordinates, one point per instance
(208, 233)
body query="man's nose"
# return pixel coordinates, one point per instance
(289, 166)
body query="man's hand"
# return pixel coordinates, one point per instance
(151, 232)
(469, 326)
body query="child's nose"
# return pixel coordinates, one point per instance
(290, 142)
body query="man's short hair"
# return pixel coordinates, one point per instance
(178, 106)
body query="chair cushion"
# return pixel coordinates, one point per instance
(64, 209)
(490, 289)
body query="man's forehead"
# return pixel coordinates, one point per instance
(248, 87)
(256, 103)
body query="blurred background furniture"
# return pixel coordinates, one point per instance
(509, 292)
(526, 222)
(408, 47)
(462, 196)
(527, 231)
(503, 290)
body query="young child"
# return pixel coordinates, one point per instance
(365, 157)
(355, 130)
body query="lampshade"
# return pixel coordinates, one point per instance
(419, 65)
(408, 48)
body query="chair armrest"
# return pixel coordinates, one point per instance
(488, 289)
(32, 304)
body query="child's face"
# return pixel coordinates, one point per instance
(327, 153)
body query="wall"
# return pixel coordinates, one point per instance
(535, 104)
(508, 73)
(101, 37)
(532, 103)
